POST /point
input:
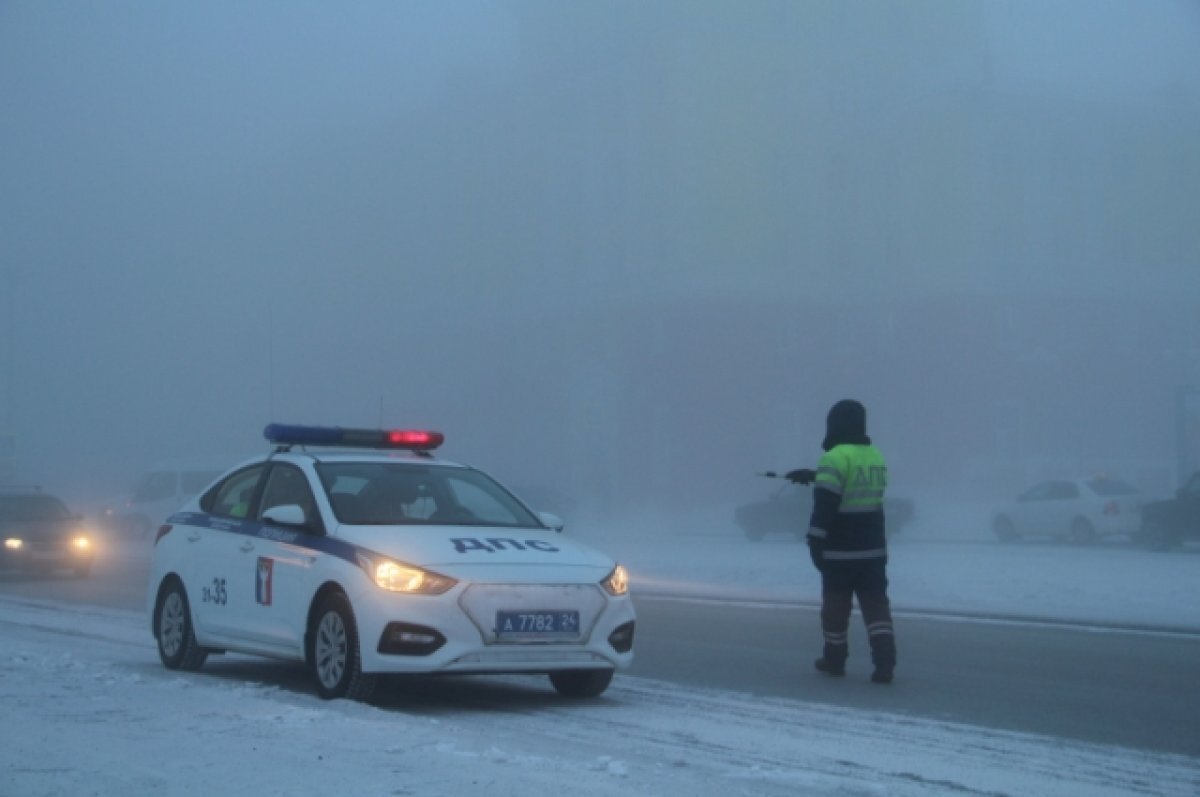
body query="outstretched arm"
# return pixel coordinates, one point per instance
(801, 476)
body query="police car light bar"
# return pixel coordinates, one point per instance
(408, 439)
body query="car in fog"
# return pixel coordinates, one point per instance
(1080, 510)
(1167, 523)
(360, 554)
(788, 509)
(41, 535)
(158, 493)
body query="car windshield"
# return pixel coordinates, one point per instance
(1111, 487)
(32, 507)
(395, 493)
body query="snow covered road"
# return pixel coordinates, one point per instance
(89, 710)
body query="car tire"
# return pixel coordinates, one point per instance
(1004, 530)
(335, 655)
(1156, 537)
(581, 683)
(1082, 532)
(177, 646)
(753, 534)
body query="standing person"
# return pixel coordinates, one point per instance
(847, 542)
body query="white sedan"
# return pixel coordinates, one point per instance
(1081, 510)
(360, 554)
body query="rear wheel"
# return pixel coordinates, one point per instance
(1082, 531)
(336, 657)
(1157, 537)
(581, 683)
(177, 646)
(1004, 530)
(754, 534)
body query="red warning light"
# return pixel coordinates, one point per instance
(411, 438)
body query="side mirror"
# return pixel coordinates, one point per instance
(285, 515)
(551, 520)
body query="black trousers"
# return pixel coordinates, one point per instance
(841, 582)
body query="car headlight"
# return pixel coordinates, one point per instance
(617, 582)
(81, 543)
(14, 544)
(397, 577)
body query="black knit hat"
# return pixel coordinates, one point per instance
(845, 424)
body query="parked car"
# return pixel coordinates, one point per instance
(1081, 510)
(41, 535)
(1167, 523)
(158, 493)
(789, 508)
(361, 554)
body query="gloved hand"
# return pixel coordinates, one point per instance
(801, 476)
(817, 552)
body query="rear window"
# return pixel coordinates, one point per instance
(1112, 487)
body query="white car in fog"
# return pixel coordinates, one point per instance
(159, 492)
(1082, 510)
(360, 554)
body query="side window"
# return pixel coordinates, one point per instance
(233, 496)
(193, 481)
(155, 487)
(286, 484)
(1038, 492)
(1065, 491)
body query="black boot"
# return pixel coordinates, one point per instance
(882, 675)
(830, 667)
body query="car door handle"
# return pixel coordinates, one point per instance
(194, 537)
(246, 546)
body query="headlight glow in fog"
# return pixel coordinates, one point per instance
(398, 577)
(617, 582)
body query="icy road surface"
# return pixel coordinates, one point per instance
(88, 710)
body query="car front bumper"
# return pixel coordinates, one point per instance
(36, 558)
(456, 632)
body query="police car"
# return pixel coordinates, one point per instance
(361, 554)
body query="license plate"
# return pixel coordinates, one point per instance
(537, 625)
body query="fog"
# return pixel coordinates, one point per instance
(632, 251)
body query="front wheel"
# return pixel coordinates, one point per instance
(177, 646)
(581, 683)
(336, 658)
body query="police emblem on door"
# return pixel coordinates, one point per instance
(262, 584)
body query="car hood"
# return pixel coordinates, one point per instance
(449, 547)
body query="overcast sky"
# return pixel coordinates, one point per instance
(527, 223)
